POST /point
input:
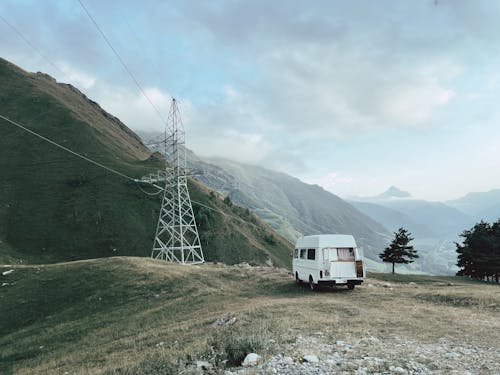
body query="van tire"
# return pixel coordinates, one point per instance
(312, 286)
(297, 280)
(350, 286)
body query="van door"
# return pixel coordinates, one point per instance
(345, 265)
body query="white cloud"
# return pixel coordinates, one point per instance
(244, 148)
(131, 107)
(332, 181)
(77, 78)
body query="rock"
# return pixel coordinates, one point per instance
(251, 360)
(224, 320)
(288, 360)
(243, 265)
(387, 285)
(398, 370)
(310, 358)
(412, 284)
(204, 365)
(5, 284)
(451, 355)
(5, 273)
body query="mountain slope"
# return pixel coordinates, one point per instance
(287, 204)
(393, 219)
(55, 206)
(439, 217)
(435, 226)
(480, 206)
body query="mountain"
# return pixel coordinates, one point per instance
(394, 192)
(439, 217)
(480, 206)
(57, 207)
(428, 219)
(288, 205)
(393, 219)
(435, 226)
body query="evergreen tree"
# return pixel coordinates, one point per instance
(495, 230)
(399, 251)
(479, 255)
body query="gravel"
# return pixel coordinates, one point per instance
(372, 355)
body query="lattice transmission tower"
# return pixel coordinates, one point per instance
(176, 238)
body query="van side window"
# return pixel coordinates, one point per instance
(296, 253)
(311, 254)
(303, 253)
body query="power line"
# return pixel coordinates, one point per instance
(112, 170)
(122, 62)
(65, 148)
(32, 46)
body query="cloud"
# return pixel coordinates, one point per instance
(76, 77)
(331, 181)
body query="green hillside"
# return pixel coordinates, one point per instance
(57, 207)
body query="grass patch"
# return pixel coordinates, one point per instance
(229, 346)
(460, 300)
(420, 279)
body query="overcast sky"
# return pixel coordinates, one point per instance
(351, 95)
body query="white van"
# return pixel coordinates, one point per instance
(328, 259)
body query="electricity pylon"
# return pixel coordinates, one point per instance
(176, 238)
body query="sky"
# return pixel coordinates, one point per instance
(354, 96)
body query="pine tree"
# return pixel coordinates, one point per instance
(479, 255)
(495, 229)
(399, 251)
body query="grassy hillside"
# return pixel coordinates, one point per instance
(135, 315)
(57, 207)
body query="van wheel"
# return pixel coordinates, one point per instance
(312, 286)
(297, 280)
(350, 286)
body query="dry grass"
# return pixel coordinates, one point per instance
(138, 315)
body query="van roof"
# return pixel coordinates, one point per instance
(326, 240)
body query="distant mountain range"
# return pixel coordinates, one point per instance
(292, 208)
(435, 225)
(479, 206)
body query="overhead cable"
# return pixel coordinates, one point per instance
(66, 149)
(32, 46)
(122, 62)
